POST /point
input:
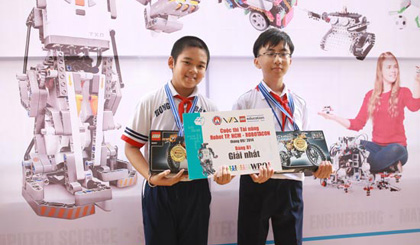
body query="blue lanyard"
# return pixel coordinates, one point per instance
(175, 110)
(269, 98)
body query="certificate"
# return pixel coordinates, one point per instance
(243, 140)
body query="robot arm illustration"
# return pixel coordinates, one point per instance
(163, 15)
(347, 29)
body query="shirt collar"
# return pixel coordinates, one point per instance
(285, 89)
(174, 92)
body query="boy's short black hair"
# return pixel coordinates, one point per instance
(272, 37)
(187, 42)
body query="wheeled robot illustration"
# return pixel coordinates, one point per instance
(206, 155)
(299, 145)
(400, 19)
(349, 159)
(265, 13)
(73, 96)
(347, 30)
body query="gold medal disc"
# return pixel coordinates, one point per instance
(178, 153)
(300, 144)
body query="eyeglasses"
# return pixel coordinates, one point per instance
(272, 55)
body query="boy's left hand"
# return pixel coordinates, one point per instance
(324, 170)
(264, 174)
(223, 176)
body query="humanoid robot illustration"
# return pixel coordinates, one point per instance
(348, 30)
(73, 96)
(400, 19)
(265, 13)
(351, 168)
(206, 155)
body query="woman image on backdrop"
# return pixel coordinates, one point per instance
(384, 105)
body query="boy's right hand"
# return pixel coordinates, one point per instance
(163, 179)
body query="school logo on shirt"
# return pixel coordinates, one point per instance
(162, 108)
(167, 107)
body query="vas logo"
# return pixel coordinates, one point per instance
(230, 120)
(217, 120)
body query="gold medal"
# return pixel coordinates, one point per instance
(300, 144)
(178, 153)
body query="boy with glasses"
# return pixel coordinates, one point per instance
(266, 195)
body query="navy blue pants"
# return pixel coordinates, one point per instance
(277, 199)
(178, 214)
(381, 158)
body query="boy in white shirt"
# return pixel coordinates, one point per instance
(175, 211)
(266, 195)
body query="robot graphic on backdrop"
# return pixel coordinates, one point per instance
(349, 158)
(73, 96)
(162, 15)
(400, 19)
(206, 155)
(265, 13)
(348, 30)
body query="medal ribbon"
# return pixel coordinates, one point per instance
(270, 100)
(174, 110)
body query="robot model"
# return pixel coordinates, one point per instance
(400, 20)
(205, 155)
(347, 30)
(73, 96)
(162, 16)
(349, 159)
(265, 13)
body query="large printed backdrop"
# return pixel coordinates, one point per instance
(334, 77)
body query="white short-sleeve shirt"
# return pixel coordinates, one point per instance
(254, 99)
(153, 112)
